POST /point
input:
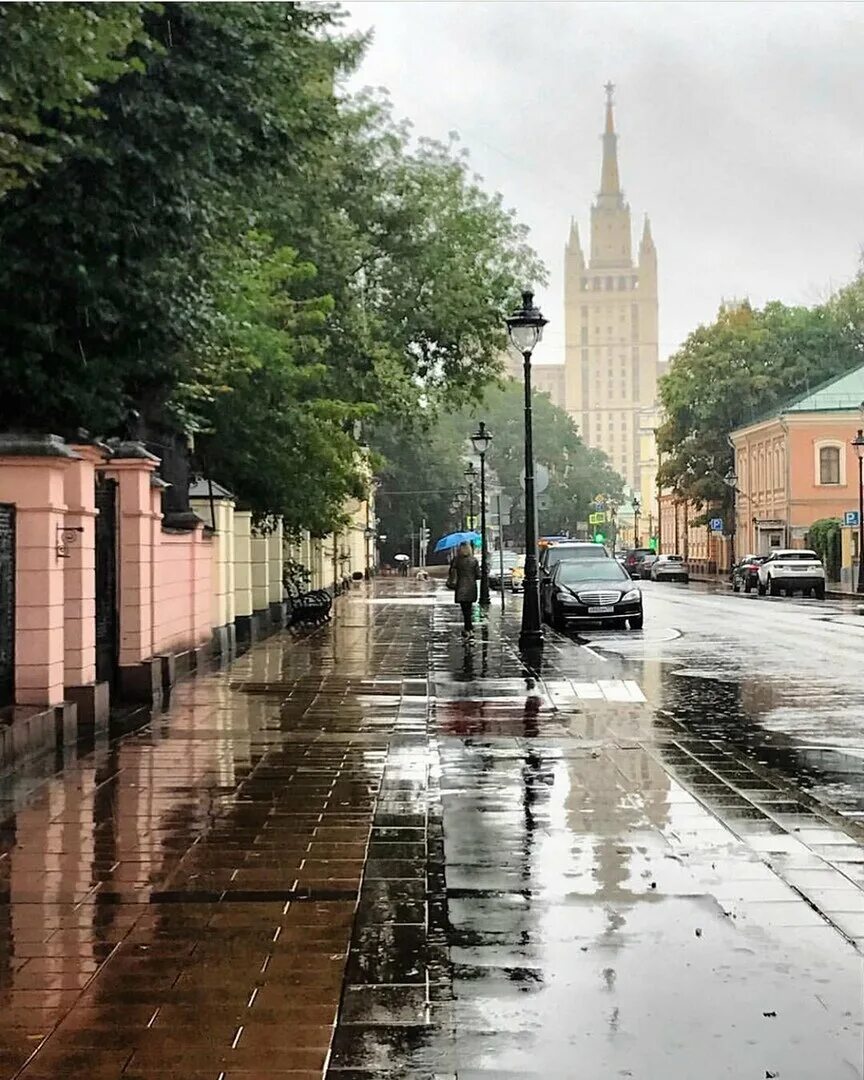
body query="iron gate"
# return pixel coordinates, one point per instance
(106, 580)
(7, 604)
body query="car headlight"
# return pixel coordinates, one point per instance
(634, 594)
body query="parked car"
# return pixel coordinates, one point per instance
(669, 568)
(590, 590)
(634, 556)
(517, 575)
(792, 570)
(745, 574)
(557, 551)
(643, 567)
(509, 559)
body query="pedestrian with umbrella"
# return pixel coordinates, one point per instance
(462, 577)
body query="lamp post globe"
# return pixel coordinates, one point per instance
(858, 444)
(480, 441)
(525, 327)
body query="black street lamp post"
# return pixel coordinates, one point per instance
(731, 481)
(471, 476)
(525, 327)
(637, 510)
(858, 443)
(480, 440)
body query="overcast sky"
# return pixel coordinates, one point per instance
(740, 131)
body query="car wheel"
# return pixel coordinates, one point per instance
(636, 622)
(819, 592)
(747, 586)
(736, 587)
(761, 589)
(773, 587)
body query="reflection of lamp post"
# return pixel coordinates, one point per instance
(525, 327)
(731, 481)
(480, 440)
(858, 443)
(637, 509)
(471, 476)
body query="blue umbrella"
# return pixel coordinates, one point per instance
(455, 539)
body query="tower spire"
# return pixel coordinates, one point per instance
(610, 184)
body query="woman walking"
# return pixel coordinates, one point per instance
(464, 572)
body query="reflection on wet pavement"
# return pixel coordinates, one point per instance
(376, 852)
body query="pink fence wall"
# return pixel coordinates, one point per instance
(182, 589)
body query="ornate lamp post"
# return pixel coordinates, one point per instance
(858, 443)
(480, 440)
(731, 481)
(471, 476)
(637, 510)
(525, 327)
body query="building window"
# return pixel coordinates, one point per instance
(622, 282)
(584, 335)
(584, 284)
(610, 284)
(830, 463)
(584, 310)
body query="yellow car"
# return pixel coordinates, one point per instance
(517, 575)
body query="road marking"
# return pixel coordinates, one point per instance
(609, 690)
(596, 655)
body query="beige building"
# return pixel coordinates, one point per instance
(608, 382)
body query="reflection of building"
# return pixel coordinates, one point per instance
(798, 466)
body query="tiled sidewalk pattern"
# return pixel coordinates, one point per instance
(378, 853)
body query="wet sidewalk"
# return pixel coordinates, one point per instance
(376, 852)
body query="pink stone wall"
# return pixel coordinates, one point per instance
(182, 591)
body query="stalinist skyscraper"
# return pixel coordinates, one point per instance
(610, 324)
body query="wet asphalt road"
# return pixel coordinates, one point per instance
(378, 852)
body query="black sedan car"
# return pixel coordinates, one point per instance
(596, 590)
(745, 574)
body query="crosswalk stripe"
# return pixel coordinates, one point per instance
(609, 690)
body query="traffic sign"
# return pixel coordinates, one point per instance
(716, 525)
(598, 518)
(850, 517)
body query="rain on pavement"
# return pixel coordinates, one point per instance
(377, 852)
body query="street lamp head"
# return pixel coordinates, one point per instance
(471, 473)
(525, 325)
(858, 443)
(481, 439)
(731, 478)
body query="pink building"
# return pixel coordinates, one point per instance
(798, 466)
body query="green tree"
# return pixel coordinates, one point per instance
(105, 283)
(55, 58)
(746, 363)
(270, 428)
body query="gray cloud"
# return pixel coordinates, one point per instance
(741, 131)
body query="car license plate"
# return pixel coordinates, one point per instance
(605, 609)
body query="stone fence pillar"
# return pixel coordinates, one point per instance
(243, 577)
(32, 475)
(91, 696)
(140, 673)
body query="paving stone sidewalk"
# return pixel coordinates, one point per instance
(379, 852)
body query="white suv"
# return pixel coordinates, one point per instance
(792, 570)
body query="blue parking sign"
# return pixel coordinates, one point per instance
(716, 525)
(850, 517)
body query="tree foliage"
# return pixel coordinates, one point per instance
(56, 57)
(229, 245)
(426, 467)
(748, 362)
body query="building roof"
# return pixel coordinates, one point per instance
(200, 489)
(840, 394)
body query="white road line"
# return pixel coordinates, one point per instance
(614, 690)
(596, 655)
(635, 691)
(587, 690)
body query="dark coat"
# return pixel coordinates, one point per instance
(467, 573)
